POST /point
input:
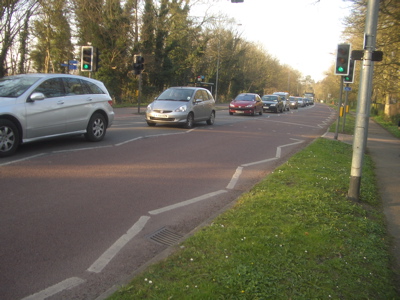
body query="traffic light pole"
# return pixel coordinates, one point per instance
(364, 98)
(346, 101)
(339, 106)
(140, 92)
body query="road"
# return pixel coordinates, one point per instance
(77, 218)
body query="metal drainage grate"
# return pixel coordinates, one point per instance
(164, 236)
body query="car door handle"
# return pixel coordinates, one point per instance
(60, 102)
(89, 99)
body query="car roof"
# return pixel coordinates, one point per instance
(188, 87)
(53, 75)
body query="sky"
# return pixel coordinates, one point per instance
(303, 34)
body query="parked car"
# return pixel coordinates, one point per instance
(246, 103)
(272, 103)
(285, 99)
(182, 105)
(38, 106)
(293, 102)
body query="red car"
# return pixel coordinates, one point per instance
(246, 103)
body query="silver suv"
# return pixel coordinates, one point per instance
(38, 106)
(182, 105)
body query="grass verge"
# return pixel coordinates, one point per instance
(294, 235)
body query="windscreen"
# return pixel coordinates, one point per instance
(176, 94)
(15, 86)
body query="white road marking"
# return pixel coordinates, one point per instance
(50, 291)
(235, 178)
(187, 202)
(107, 256)
(22, 159)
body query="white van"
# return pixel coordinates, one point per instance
(285, 99)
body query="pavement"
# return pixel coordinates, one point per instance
(384, 149)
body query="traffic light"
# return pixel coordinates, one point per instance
(350, 78)
(138, 64)
(87, 58)
(342, 59)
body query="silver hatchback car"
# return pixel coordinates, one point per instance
(182, 105)
(38, 106)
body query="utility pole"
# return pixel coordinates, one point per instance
(364, 99)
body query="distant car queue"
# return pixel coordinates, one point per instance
(278, 102)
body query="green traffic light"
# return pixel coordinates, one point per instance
(340, 69)
(85, 66)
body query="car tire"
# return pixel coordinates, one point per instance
(189, 121)
(151, 124)
(211, 120)
(9, 138)
(260, 113)
(96, 129)
(231, 113)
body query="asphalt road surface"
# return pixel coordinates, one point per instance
(78, 218)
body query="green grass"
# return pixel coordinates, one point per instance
(390, 124)
(348, 121)
(294, 235)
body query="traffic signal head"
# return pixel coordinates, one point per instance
(342, 59)
(87, 58)
(350, 78)
(138, 64)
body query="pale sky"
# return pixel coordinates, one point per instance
(301, 33)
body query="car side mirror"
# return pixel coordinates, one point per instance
(36, 96)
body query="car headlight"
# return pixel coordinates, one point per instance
(149, 108)
(250, 105)
(181, 108)
(231, 105)
(273, 104)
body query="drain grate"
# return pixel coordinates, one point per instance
(165, 236)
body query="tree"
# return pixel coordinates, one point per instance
(13, 16)
(53, 34)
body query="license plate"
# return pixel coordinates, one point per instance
(239, 111)
(160, 116)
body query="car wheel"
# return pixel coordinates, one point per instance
(210, 121)
(151, 124)
(260, 113)
(231, 113)
(96, 129)
(189, 121)
(9, 138)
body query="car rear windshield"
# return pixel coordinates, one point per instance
(174, 94)
(15, 86)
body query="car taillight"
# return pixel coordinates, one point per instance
(110, 102)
